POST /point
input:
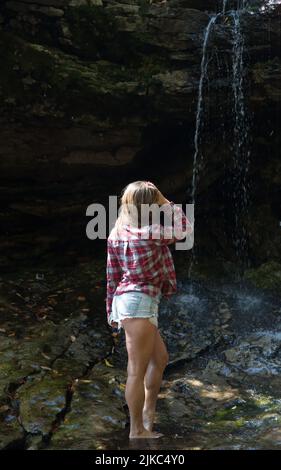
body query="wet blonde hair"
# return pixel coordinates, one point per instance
(135, 194)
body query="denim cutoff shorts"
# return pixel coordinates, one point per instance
(134, 304)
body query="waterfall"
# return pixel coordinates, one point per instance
(240, 149)
(199, 113)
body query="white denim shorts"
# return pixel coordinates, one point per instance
(134, 304)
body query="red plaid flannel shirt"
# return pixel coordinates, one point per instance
(144, 265)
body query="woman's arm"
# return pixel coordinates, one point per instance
(178, 226)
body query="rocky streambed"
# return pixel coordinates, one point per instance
(63, 375)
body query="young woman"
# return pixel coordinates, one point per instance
(140, 269)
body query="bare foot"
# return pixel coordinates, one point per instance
(146, 435)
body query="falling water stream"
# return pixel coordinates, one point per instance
(204, 71)
(197, 159)
(240, 148)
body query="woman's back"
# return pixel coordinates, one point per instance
(139, 259)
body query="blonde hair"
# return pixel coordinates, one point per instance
(133, 196)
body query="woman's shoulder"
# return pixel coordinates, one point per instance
(118, 234)
(128, 232)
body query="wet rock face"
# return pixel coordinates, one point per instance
(258, 355)
(63, 376)
(51, 338)
(98, 93)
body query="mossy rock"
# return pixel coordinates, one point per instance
(266, 276)
(92, 29)
(41, 81)
(96, 414)
(94, 33)
(267, 75)
(41, 399)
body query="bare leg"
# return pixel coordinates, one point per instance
(140, 338)
(153, 380)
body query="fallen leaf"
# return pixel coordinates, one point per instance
(45, 355)
(45, 368)
(19, 295)
(4, 408)
(42, 318)
(107, 363)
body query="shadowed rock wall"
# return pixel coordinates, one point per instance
(96, 93)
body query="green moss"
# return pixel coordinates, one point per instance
(93, 30)
(150, 66)
(45, 81)
(267, 403)
(250, 408)
(267, 75)
(263, 71)
(37, 75)
(41, 399)
(144, 6)
(239, 414)
(266, 276)
(95, 35)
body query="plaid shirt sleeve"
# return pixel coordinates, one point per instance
(179, 229)
(113, 273)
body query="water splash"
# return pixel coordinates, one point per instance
(247, 302)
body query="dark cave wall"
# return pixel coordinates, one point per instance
(94, 94)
